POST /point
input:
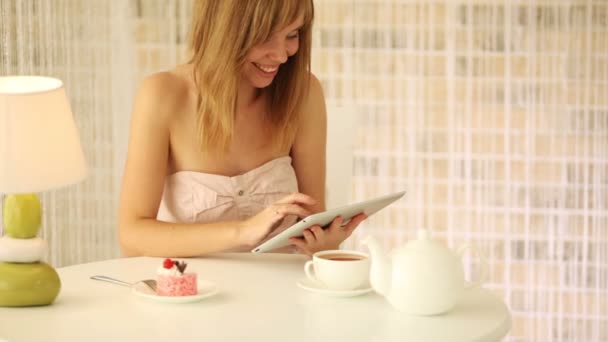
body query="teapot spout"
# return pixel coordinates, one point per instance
(381, 267)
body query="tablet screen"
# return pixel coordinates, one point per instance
(323, 219)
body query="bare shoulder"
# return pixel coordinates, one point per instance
(314, 106)
(313, 122)
(163, 94)
(315, 90)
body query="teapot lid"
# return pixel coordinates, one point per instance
(426, 246)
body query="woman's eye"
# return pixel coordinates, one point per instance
(293, 35)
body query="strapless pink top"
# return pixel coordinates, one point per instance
(196, 197)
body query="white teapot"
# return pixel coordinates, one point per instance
(424, 277)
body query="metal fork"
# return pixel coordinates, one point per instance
(150, 282)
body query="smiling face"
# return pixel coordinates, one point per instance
(264, 60)
(250, 48)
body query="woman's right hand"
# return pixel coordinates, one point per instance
(256, 228)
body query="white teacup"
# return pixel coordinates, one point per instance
(339, 269)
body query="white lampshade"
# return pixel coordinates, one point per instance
(39, 143)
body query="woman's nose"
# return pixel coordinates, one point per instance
(278, 51)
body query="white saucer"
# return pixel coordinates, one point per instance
(205, 289)
(311, 286)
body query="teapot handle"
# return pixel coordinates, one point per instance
(483, 265)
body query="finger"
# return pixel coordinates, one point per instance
(309, 237)
(336, 223)
(353, 223)
(291, 209)
(299, 243)
(318, 233)
(297, 197)
(301, 246)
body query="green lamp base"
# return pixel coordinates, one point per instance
(32, 284)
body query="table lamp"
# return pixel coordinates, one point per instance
(39, 150)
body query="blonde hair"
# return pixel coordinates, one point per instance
(223, 33)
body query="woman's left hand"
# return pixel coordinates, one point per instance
(318, 239)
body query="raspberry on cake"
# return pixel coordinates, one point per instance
(172, 281)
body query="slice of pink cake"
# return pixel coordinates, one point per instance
(172, 281)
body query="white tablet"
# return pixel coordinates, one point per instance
(368, 207)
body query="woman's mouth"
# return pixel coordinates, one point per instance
(268, 70)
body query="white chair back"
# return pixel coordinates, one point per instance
(341, 134)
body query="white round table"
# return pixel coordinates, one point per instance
(258, 300)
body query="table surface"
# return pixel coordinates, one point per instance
(258, 299)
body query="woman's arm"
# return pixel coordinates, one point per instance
(309, 161)
(158, 98)
(308, 150)
(143, 181)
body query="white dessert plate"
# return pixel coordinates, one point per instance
(311, 286)
(205, 289)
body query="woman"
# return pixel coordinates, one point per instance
(229, 149)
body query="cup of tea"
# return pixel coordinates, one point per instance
(339, 269)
